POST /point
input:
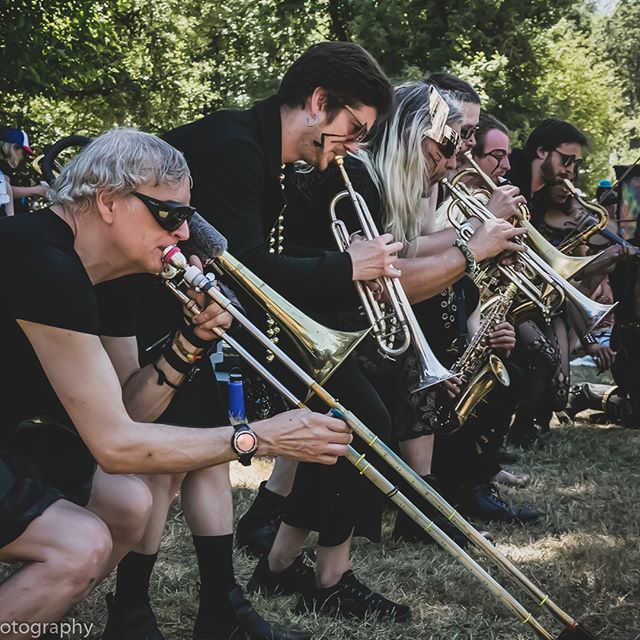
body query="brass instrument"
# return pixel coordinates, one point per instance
(178, 271)
(322, 349)
(478, 369)
(598, 224)
(564, 265)
(554, 289)
(386, 327)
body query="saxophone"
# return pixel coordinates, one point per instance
(478, 369)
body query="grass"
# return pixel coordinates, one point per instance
(585, 552)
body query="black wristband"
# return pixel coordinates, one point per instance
(174, 360)
(189, 335)
(162, 377)
(589, 339)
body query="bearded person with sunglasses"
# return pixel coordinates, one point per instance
(76, 404)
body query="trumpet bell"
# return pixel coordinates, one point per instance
(322, 349)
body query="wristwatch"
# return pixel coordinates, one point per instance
(244, 442)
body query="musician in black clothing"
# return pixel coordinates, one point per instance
(327, 102)
(77, 403)
(393, 185)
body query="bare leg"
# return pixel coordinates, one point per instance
(163, 491)
(332, 562)
(286, 547)
(123, 503)
(207, 501)
(418, 453)
(281, 478)
(66, 550)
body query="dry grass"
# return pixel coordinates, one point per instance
(585, 552)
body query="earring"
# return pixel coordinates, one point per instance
(312, 120)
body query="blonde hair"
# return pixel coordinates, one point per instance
(396, 163)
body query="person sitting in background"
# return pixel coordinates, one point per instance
(14, 147)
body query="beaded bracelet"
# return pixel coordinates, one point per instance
(468, 256)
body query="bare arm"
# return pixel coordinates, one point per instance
(26, 192)
(9, 210)
(84, 379)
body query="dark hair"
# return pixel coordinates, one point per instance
(349, 74)
(551, 133)
(460, 89)
(485, 124)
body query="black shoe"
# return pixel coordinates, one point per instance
(485, 503)
(507, 457)
(247, 624)
(294, 579)
(136, 624)
(258, 527)
(350, 598)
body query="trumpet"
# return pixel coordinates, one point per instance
(393, 332)
(585, 313)
(566, 266)
(177, 271)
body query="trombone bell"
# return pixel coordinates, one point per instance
(322, 349)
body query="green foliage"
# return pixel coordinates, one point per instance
(81, 66)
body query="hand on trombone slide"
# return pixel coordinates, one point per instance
(304, 435)
(212, 315)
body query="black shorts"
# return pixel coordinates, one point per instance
(40, 462)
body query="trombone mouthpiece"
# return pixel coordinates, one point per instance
(174, 257)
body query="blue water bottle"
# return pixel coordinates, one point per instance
(235, 397)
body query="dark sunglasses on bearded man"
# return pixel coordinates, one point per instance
(168, 214)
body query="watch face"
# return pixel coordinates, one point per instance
(245, 442)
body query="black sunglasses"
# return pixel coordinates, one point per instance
(467, 132)
(567, 160)
(169, 214)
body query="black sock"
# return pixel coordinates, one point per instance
(132, 581)
(215, 563)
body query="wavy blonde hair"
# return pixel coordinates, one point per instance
(395, 160)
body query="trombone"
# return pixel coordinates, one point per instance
(386, 328)
(564, 265)
(177, 271)
(585, 313)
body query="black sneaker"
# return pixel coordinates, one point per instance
(246, 624)
(136, 624)
(484, 502)
(350, 598)
(294, 579)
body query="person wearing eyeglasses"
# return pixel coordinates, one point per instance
(404, 159)
(76, 404)
(327, 102)
(504, 201)
(553, 151)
